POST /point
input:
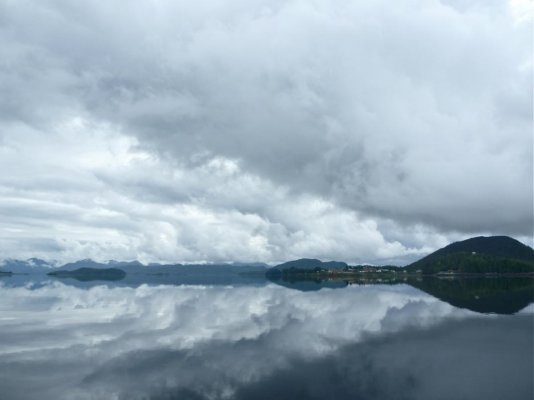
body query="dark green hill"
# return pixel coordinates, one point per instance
(91, 274)
(311, 263)
(494, 254)
(303, 266)
(500, 246)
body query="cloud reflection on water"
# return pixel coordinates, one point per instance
(62, 342)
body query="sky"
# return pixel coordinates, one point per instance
(263, 130)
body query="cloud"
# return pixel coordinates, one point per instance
(160, 130)
(106, 197)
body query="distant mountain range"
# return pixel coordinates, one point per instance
(36, 265)
(85, 273)
(26, 266)
(493, 254)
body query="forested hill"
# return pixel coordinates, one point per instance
(500, 246)
(499, 254)
(310, 264)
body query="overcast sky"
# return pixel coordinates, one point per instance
(262, 130)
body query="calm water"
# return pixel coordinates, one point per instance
(253, 339)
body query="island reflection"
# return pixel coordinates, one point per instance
(499, 295)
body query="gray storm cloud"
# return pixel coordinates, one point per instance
(180, 131)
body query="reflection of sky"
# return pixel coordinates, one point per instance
(62, 342)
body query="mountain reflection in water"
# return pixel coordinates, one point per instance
(499, 295)
(60, 341)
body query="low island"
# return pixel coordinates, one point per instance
(91, 274)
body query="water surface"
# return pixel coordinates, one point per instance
(259, 340)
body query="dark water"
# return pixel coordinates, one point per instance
(247, 338)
